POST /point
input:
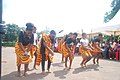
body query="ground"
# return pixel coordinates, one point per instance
(107, 69)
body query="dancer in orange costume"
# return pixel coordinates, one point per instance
(67, 49)
(60, 48)
(85, 50)
(23, 48)
(45, 51)
(97, 50)
(60, 43)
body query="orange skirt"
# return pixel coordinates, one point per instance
(65, 51)
(39, 57)
(96, 51)
(60, 47)
(22, 59)
(85, 53)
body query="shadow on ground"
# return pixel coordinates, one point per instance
(61, 73)
(58, 64)
(88, 68)
(32, 76)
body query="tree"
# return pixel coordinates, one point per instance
(115, 8)
(39, 35)
(47, 30)
(12, 33)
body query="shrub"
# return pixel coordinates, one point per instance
(8, 44)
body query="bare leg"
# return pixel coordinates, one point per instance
(19, 74)
(87, 59)
(25, 69)
(35, 60)
(94, 60)
(95, 56)
(28, 68)
(98, 57)
(83, 62)
(70, 57)
(66, 59)
(62, 58)
(49, 64)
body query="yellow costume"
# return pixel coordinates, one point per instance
(60, 43)
(85, 49)
(65, 51)
(96, 48)
(21, 58)
(47, 52)
(84, 52)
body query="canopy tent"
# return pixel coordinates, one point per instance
(112, 25)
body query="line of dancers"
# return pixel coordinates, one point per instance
(28, 47)
(87, 49)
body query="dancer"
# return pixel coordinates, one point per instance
(85, 50)
(97, 50)
(60, 43)
(36, 46)
(45, 52)
(68, 49)
(60, 48)
(23, 48)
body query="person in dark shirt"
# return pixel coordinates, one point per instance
(61, 42)
(23, 48)
(97, 49)
(46, 49)
(68, 49)
(67, 36)
(25, 38)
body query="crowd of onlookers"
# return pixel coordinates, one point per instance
(110, 46)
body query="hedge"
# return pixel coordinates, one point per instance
(8, 44)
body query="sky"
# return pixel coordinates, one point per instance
(67, 15)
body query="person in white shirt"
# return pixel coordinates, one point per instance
(36, 45)
(85, 50)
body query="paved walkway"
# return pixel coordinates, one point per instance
(108, 69)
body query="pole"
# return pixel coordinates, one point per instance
(0, 36)
(82, 30)
(0, 55)
(91, 34)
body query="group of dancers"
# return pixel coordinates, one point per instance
(28, 47)
(87, 49)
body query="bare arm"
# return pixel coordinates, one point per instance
(98, 47)
(91, 46)
(51, 51)
(86, 48)
(21, 46)
(29, 48)
(68, 48)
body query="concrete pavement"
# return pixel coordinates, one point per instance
(107, 70)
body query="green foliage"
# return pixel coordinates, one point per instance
(118, 37)
(38, 34)
(10, 37)
(115, 8)
(105, 38)
(8, 44)
(12, 33)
